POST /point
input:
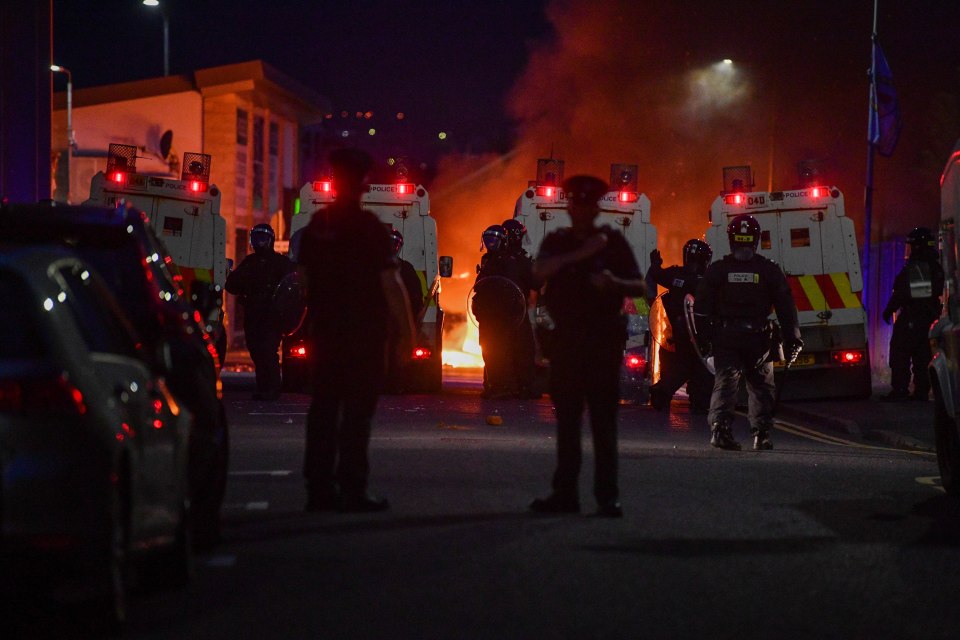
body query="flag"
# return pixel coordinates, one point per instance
(884, 129)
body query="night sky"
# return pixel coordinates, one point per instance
(593, 82)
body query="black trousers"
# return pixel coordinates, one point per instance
(586, 376)
(910, 350)
(523, 354)
(496, 341)
(683, 365)
(739, 354)
(263, 342)
(346, 382)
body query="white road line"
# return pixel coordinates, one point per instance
(276, 473)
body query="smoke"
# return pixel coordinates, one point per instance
(640, 83)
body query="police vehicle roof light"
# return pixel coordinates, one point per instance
(405, 188)
(733, 198)
(118, 176)
(323, 186)
(818, 192)
(628, 196)
(546, 192)
(196, 186)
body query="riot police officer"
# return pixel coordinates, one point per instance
(523, 349)
(587, 271)
(408, 275)
(916, 301)
(256, 281)
(497, 303)
(736, 295)
(679, 360)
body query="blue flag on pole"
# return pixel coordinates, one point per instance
(885, 122)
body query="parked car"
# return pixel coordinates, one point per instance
(93, 447)
(120, 244)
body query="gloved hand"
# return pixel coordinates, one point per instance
(887, 316)
(793, 349)
(655, 259)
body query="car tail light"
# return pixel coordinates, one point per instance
(850, 356)
(41, 396)
(297, 351)
(405, 188)
(421, 353)
(634, 362)
(628, 196)
(546, 192)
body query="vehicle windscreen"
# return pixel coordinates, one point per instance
(20, 338)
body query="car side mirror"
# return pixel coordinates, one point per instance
(446, 266)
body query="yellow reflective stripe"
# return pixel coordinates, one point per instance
(424, 290)
(842, 282)
(203, 275)
(812, 290)
(642, 306)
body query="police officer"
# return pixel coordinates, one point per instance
(916, 301)
(256, 281)
(587, 272)
(736, 295)
(396, 378)
(496, 305)
(681, 363)
(523, 349)
(354, 299)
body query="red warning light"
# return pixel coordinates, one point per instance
(323, 186)
(855, 356)
(196, 186)
(117, 176)
(733, 198)
(628, 196)
(421, 353)
(634, 362)
(818, 192)
(405, 188)
(546, 192)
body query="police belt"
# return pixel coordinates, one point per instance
(746, 325)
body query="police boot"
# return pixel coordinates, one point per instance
(721, 436)
(761, 441)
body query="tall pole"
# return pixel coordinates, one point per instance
(69, 155)
(166, 42)
(868, 187)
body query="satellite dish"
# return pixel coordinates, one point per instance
(166, 141)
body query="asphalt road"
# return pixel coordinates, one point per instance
(830, 535)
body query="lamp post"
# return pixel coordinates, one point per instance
(58, 69)
(166, 34)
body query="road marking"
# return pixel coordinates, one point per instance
(277, 472)
(221, 562)
(811, 434)
(931, 481)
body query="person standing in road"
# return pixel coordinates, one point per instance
(587, 271)
(255, 281)
(355, 298)
(496, 303)
(523, 348)
(414, 288)
(679, 360)
(916, 301)
(736, 296)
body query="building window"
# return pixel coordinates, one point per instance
(258, 131)
(273, 168)
(241, 127)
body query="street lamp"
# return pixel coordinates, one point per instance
(166, 34)
(70, 142)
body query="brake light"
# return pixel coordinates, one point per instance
(405, 188)
(850, 356)
(546, 192)
(297, 351)
(323, 186)
(734, 198)
(628, 196)
(41, 396)
(118, 176)
(421, 353)
(634, 362)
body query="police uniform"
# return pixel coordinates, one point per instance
(255, 281)
(736, 296)
(523, 347)
(589, 337)
(916, 301)
(681, 363)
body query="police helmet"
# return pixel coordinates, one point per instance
(697, 253)
(515, 232)
(921, 237)
(744, 232)
(397, 239)
(261, 237)
(494, 238)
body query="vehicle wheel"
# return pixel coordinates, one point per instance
(171, 567)
(948, 445)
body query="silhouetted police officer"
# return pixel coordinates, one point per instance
(396, 379)
(354, 294)
(587, 272)
(679, 360)
(916, 301)
(523, 348)
(255, 281)
(736, 296)
(497, 304)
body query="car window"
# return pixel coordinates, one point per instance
(96, 314)
(20, 337)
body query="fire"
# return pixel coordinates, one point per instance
(469, 355)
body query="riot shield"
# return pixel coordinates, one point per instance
(497, 299)
(290, 303)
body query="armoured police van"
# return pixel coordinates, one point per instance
(806, 231)
(185, 215)
(404, 206)
(542, 208)
(945, 334)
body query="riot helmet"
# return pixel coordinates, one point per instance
(396, 238)
(922, 242)
(261, 238)
(696, 255)
(743, 232)
(494, 238)
(515, 232)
